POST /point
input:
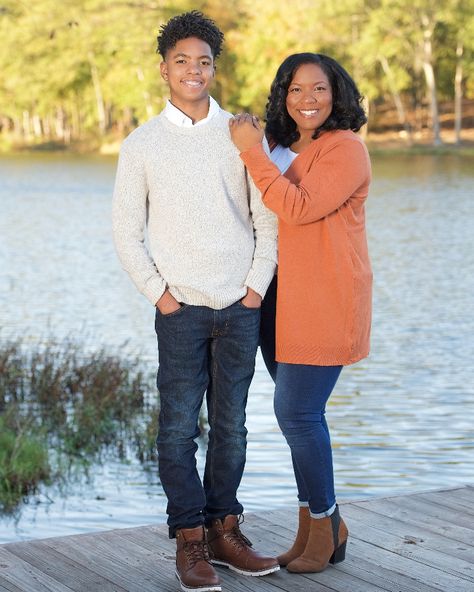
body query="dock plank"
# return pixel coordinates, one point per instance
(17, 575)
(429, 510)
(121, 562)
(413, 534)
(417, 572)
(60, 568)
(410, 549)
(384, 578)
(450, 502)
(420, 542)
(406, 514)
(464, 493)
(10, 588)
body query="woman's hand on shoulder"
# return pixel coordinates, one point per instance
(245, 131)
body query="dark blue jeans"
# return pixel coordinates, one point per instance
(202, 350)
(301, 394)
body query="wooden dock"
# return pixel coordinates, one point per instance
(423, 542)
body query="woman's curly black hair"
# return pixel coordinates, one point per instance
(190, 24)
(347, 112)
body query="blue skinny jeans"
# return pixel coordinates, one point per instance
(301, 394)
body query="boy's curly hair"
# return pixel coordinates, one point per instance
(190, 24)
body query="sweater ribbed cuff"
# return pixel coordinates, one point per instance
(154, 289)
(260, 276)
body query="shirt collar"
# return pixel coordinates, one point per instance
(176, 116)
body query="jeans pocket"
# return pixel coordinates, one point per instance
(175, 313)
(239, 303)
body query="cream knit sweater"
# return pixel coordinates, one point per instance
(187, 217)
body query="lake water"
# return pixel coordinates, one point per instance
(402, 420)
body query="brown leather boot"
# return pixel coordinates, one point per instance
(301, 539)
(231, 548)
(193, 570)
(326, 544)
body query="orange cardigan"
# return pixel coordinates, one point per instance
(324, 292)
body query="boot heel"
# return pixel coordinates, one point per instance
(339, 554)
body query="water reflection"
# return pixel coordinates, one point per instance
(400, 420)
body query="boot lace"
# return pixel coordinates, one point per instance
(236, 536)
(196, 551)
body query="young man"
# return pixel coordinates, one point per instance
(211, 257)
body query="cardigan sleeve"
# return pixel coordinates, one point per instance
(339, 171)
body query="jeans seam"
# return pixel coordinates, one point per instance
(214, 409)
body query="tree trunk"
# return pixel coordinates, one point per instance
(146, 95)
(17, 128)
(125, 123)
(60, 123)
(75, 119)
(26, 125)
(417, 114)
(37, 127)
(6, 124)
(108, 115)
(99, 100)
(47, 126)
(458, 94)
(430, 78)
(67, 134)
(402, 118)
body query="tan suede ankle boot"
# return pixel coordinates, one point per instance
(301, 539)
(326, 544)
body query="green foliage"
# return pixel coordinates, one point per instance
(23, 461)
(59, 405)
(81, 69)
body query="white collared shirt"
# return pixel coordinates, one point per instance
(176, 116)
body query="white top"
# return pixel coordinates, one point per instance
(282, 157)
(177, 116)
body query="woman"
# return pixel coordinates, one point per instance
(316, 181)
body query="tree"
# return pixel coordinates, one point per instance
(87, 69)
(460, 43)
(269, 32)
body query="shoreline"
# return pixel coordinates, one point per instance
(386, 143)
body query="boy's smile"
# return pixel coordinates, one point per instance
(189, 71)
